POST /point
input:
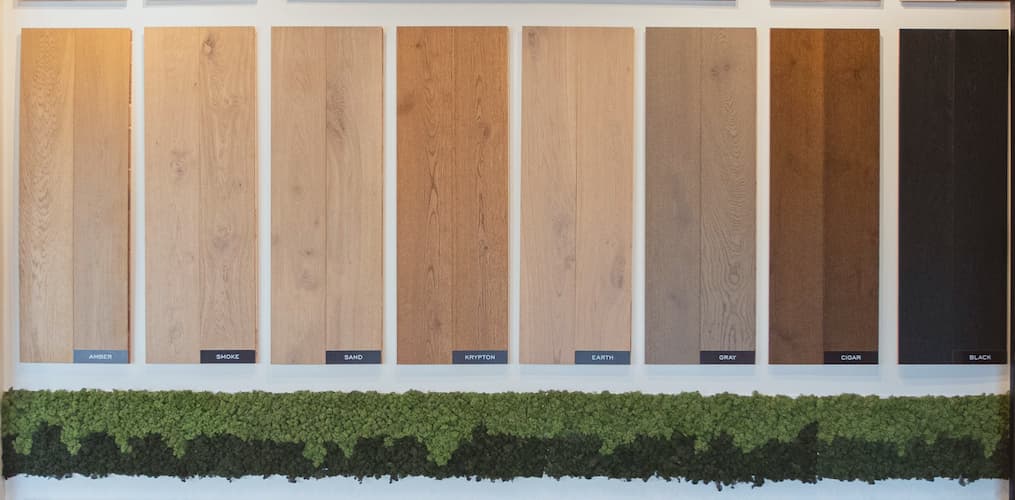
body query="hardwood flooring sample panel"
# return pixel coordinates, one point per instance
(201, 211)
(825, 161)
(577, 189)
(952, 196)
(700, 195)
(452, 195)
(327, 182)
(74, 195)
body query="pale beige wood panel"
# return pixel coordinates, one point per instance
(298, 195)
(172, 178)
(605, 152)
(673, 114)
(47, 196)
(228, 223)
(426, 160)
(728, 124)
(355, 179)
(549, 194)
(480, 189)
(101, 188)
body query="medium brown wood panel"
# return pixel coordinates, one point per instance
(825, 162)
(74, 185)
(327, 176)
(577, 122)
(452, 193)
(700, 194)
(201, 172)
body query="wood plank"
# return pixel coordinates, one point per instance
(796, 275)
(172, 178)
(825, 187)
(549, 198)
(228, 225)
(728, 151)
(926, 197)
(479, 299)
(952, 246)
(47, 195)
(101, 189)
(673, 120)
(299, 195)
(426, 160)
(605, 58)
(355, 166)
(700, 192)
(851, 189)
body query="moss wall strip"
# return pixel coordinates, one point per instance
(724, 439)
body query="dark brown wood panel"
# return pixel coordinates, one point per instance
(452, 193)
(825, 161)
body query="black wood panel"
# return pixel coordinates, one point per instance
(952, 196)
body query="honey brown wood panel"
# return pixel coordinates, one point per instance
(200, 143)
(327, 175)
(824, 183)
(452, 192)
(74, 184)
(577, 122)
(700, 193)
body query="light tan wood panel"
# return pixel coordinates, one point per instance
(579, 248)
(549, 197)
(74, 184)
(47, 195)
(172, 177)
(327, 181)
(299, 181)
(200, 123)
(355, 164)
(101, 189)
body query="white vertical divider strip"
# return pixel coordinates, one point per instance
(638, 222)
(137, 278)
(390, 349)
(515, 44)
(263, 202)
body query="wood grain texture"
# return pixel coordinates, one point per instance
(74, 184)
(201, 166)
(824, 190)
(327, 178)
(952, 182)
(452, 192)
(700, 192)
(577, 137)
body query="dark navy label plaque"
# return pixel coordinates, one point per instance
(100, 356)
(602, 357)
(727, 357)
(479, 357)
(352, 357)
(851, 357)
(227, 356)
(979, 357)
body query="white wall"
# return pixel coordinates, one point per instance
(886, 379)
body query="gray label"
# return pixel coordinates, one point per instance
(352, 357)
(100, 356)
(602, 357)
(479, 357)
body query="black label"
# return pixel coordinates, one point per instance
(479, 357)
(979, 357)
(227, 356)
(602, 357)
(851, 357)
(352, 357)
(727, 357)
